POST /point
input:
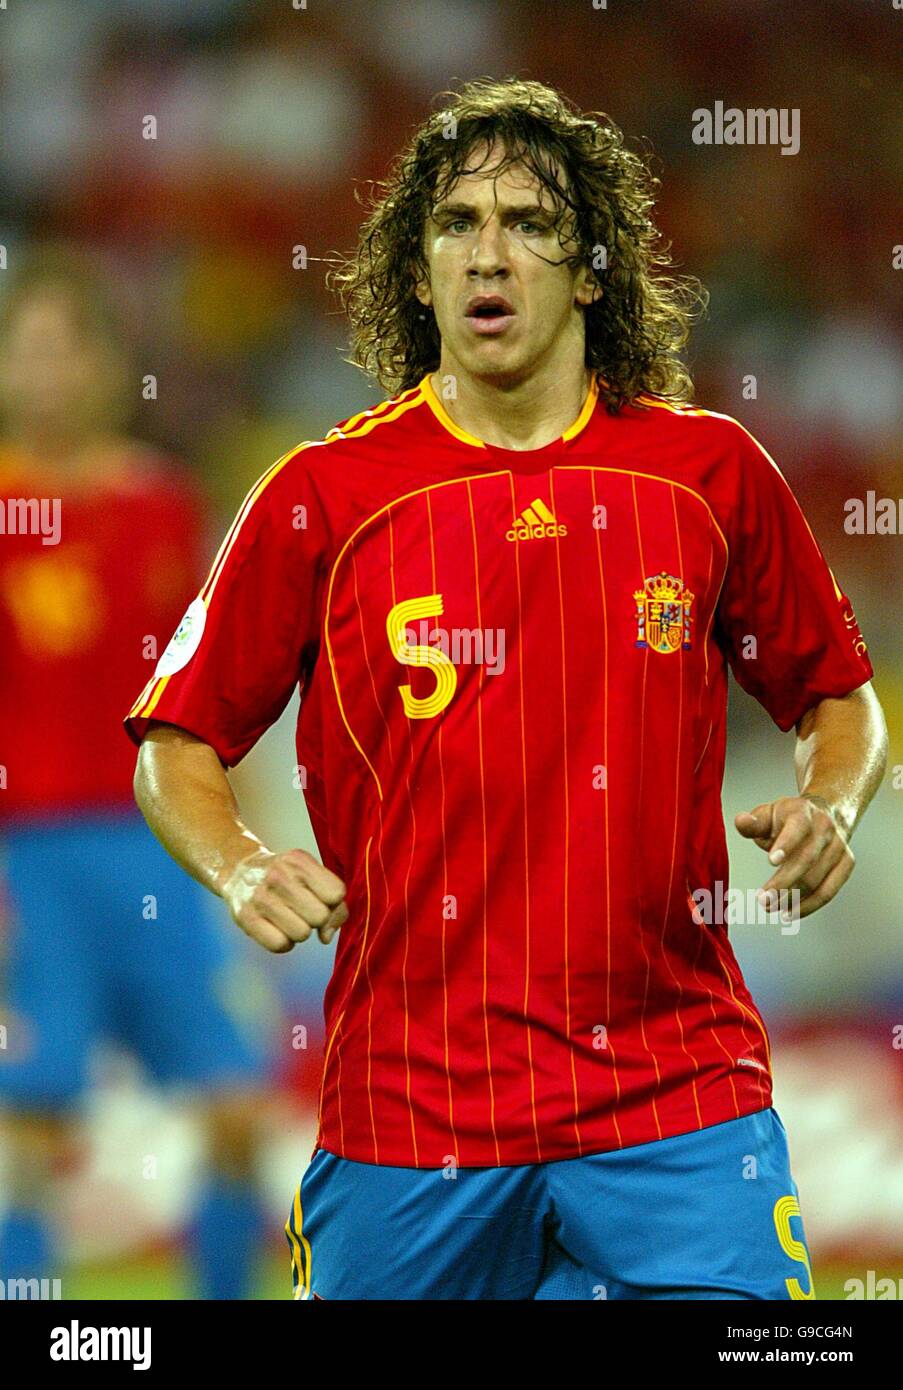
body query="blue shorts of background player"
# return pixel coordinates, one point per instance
(110, 940)
(709, 1215)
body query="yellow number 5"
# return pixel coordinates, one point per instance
(784, 1208)
(443, 669)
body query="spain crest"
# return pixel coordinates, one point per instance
(663, 613)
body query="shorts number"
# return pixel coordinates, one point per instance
(784, 1209)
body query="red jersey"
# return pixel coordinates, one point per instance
(513, 675)
(92, 574)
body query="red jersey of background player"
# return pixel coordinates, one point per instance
(513, 670)
(77, 608)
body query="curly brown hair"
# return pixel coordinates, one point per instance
(634, 331)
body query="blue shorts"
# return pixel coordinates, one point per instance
(110, 939)
(708, 1215)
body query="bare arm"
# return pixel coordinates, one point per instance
(840, 758)
(841, 753)
(185, 797)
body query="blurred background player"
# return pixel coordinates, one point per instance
(105, 938)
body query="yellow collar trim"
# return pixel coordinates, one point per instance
(445, 420)
(589, 406)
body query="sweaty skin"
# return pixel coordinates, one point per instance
(493, 234)
(841, 756)
(185, 797)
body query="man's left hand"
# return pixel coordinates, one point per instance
(807, 845)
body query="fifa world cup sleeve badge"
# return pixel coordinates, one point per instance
(663, 614)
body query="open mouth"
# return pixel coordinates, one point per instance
(490, 314)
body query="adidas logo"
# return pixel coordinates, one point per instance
(535, 522)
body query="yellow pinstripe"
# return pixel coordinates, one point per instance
(611, 1047)
(567, 813)
(407, 881)
(663, 405)
(332, 1036)
(658, 1075)
(719, 415)
(680, 717)
(523, 753)
(479, 704)
(656, 478)
(415, 492)
(451, 1104)
(335, 1030)
(740, 1005)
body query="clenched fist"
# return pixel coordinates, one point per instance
(279, 899)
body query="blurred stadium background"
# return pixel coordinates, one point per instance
(269, 117)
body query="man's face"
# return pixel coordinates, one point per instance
(50, 373)
(504, 297)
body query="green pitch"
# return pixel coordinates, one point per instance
(168, 1276)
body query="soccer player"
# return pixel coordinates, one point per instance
(84, 955)
(510, 594)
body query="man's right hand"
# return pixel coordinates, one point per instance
(279, 899)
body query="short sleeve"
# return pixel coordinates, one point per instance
(251, 634)
(788, 631)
